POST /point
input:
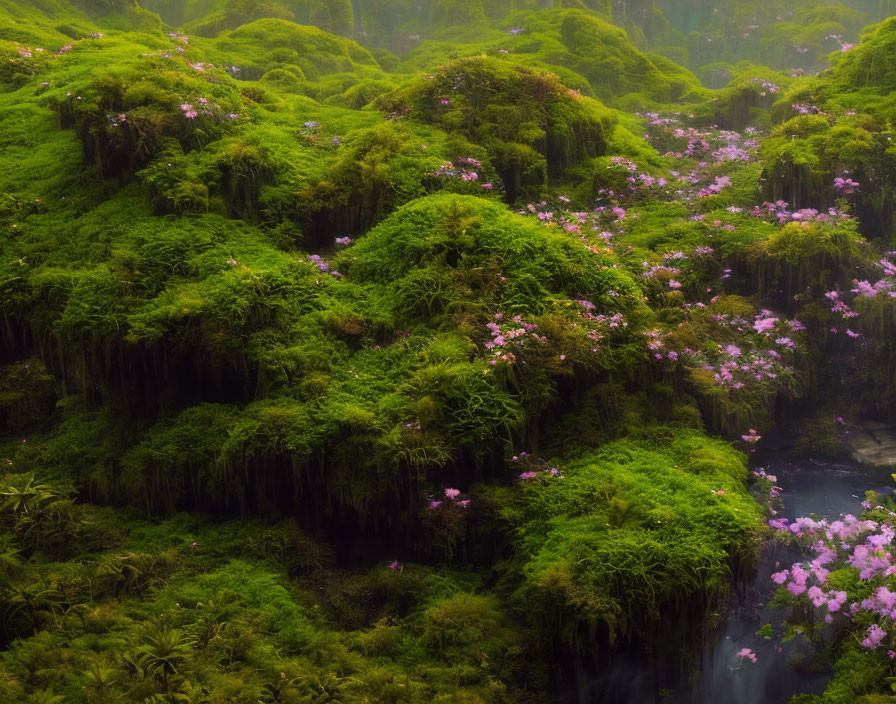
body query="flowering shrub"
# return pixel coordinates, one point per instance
(445, 519)
(848, 581)
(864, 293)
(668, 134)
(765, 87)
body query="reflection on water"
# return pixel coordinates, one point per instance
(810, 487)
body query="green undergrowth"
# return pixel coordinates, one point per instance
(104, 604)
(645, 524)
(190, 609)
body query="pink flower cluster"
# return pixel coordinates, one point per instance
(747, 654)
(846, 185)
(324, 266)
(667, 134)
(534, 467)
(510, 338)
(766, 87)
(769, 480)
(850, 543)
(452, 498)
(780, 211)
(464, 169)
(206, 108)
(714, 188)
(751, 437)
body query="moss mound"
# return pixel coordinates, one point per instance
(530, 123)
(627, 531)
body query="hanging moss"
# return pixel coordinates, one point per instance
(27, 396)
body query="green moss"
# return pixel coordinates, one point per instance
(217, 349)
(540, 130)
(586, 51)
(467, 244)
(630, 530)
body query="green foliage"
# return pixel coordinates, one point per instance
(210, 615)
(175, 268)
(447, 255)
(580, 46)
(27, 396)
(531, 125)
(628, 531)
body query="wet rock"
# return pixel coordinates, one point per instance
(873, 444)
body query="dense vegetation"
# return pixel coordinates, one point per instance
(399, 352)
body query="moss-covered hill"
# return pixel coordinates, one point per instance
(329, 375)
(586, 50)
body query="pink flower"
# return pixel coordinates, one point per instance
(764, 324)
(875, 635)
(816, 596)
(796, 588)
(752, 437)
(747, 654)
(452, 493)
(394, 565)
(836, 602)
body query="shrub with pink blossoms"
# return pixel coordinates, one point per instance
(445, 518)
(863, 547)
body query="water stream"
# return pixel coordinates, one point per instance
(809, 487)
